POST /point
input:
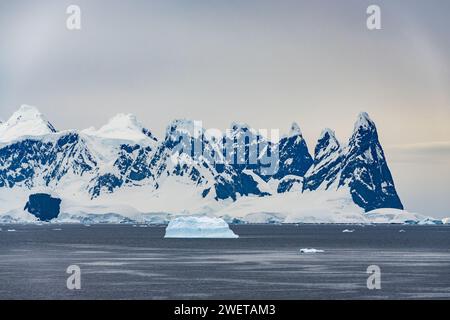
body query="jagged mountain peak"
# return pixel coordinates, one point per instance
(239, 126)
(364, 133)
(122, 127)
(238, 129)
(26, 121)
(327, 134)
(363, 121)
(365, 169)
(295, 130)
(327, 162)
(326, 144)
(294, 156)
(184, 126)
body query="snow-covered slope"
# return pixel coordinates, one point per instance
(122, 169)
(293, 207)
(27, 121)
(122, 127)
(394, 216)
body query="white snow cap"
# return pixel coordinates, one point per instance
(363, 121)
(184, 126)
(120, 127)
(27, 121)
(330, 133)
(237, 129)
(295, 130)
(239, 125)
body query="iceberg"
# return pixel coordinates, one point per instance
(430, 222)
(310, 250)
(348, 231)
(199, 227)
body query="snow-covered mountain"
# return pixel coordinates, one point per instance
(27, 121)
(122, 168)
(365, 169)
(328, 160)
(361, 167)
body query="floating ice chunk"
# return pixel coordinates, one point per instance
(310, 250)
(402, 231)
(11, 230)
(430, 222)
(446, 221)
(199, 227)
(57, 229)
(348, 230)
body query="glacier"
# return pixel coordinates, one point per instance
(122, 173)
(199, 227)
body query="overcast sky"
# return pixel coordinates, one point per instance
(266, 63)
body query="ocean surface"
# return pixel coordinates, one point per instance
(135, 262)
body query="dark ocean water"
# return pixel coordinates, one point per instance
(126, 262)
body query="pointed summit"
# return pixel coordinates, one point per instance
(295, 130)
(294, 156)
(363, 122)
(364, 133)
(239, 126)
(327, 134)
(184, 126)
(327, 162)
(122, 127)
(240, 129)
(365, 170)
(27, 121)
(326, 145)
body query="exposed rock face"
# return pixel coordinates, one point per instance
(365, 169)
(43, 206)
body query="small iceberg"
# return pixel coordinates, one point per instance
(199, 227)
(348, 231)
(402, 231)
(430, 222)
(310, 250)
(11, 230)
